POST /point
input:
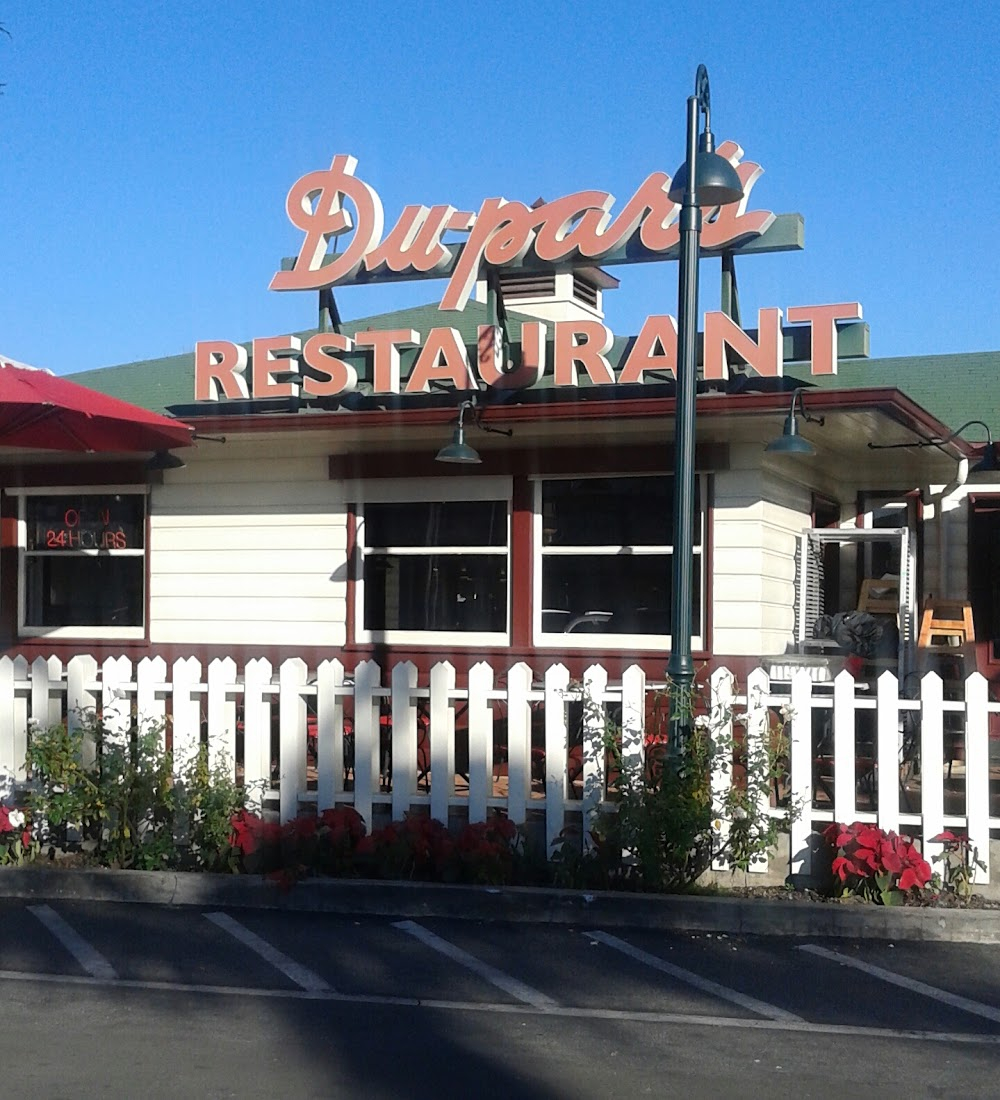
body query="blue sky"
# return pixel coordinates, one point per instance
(146, 151)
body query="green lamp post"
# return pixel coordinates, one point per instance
(704, 180)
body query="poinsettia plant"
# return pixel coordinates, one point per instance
(877, 865)
(959, 860)
(15, 837)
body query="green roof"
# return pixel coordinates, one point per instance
(954, 388)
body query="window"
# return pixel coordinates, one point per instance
(434, 568)
(83, 562)
(604, 550)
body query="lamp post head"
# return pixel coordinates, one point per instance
(716, 182)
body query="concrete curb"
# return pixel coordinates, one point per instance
(530, 905)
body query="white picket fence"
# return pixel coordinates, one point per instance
(333, 736)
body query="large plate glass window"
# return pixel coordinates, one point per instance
(432, 569)
(83, 563)
(603, 554)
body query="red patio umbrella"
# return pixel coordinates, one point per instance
(40, 410)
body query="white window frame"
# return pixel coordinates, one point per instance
(429, 490)
(654, 642)
(98, 633)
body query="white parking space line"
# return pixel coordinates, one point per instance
(977, 1008)
(301, 975)
(96, 965)
(660, 1019)
(495, 977)
(706, 985)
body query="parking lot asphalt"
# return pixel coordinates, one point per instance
(242, 1001)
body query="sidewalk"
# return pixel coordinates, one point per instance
(667, 913)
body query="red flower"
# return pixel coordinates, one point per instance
(843, 867)
(248, 830)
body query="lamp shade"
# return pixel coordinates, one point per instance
(790, 442)
(458, 450)
(716, 181)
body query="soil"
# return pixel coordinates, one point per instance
(782, 893)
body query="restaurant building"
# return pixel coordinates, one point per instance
(490, 475)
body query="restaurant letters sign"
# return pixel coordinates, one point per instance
(577, 230)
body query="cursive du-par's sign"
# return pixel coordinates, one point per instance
(573, 231)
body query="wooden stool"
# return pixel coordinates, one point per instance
(946, 619)
(879, 597)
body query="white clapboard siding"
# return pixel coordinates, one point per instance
(185, 586)
(222, 498)
(237, 560)
(219, 535)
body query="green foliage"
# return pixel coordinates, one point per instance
(666, 829)
(958, 860)
(132, 808)
(64, 792)
(210, 796)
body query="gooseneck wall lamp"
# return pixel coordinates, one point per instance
(709, 180)
(458, 451)
(986, 465)
(790, 442)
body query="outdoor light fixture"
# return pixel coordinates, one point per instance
(705, 179)
(986, 465)
(164, 460)
(790, 442)
(458, 450)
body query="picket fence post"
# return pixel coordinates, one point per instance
(633, 723)
(758, 741)
(257, 724)
(331, 760)
(800, 741)
(186, 726)
(367, 745)
(845, 770)
(220, 711)
(480, 740)
(404, 738)
(442, 727)
(292, 677)
(593, 749)
(977, 771)
(81, 699)
(518, 742)
(932, 762)
(556, 753)
(887, 751)
(721, 697)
